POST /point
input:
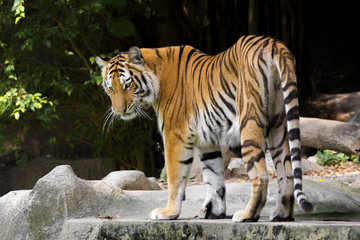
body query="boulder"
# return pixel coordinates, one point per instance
(237, 167)
(58, 196)
(310, 165)
(131, 180)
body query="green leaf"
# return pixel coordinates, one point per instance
(92, 59)
(17, 19)
(120, 27)
(17, 4)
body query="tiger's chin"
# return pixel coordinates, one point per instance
(128, 116)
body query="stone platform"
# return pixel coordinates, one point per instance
(207, 229)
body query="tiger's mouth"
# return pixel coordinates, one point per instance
(134, 110)
(112, 115)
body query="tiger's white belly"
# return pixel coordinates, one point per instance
(209, 134)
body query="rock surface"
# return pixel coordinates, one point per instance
(63, 206)
(131, 180)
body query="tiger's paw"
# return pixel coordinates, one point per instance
(164, 214)
(282, 216)
(242, 216)
(212, 212)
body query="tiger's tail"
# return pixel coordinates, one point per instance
(286, 68)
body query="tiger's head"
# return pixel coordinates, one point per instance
(130, 84)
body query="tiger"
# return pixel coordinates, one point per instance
(244, 98)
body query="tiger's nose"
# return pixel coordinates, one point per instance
(120, 110)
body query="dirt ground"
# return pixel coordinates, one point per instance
(348, 173)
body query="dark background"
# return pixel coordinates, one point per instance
(52, 50)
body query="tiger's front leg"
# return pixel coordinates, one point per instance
(178, 158)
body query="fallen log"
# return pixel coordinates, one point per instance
(330, 134)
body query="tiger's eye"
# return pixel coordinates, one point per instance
(128, 85)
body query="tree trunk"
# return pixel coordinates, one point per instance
(330, 134)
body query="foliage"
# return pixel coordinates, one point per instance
(329, 157)
(49, 79)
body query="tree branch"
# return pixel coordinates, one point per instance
(75, 47)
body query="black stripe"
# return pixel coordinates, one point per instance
(245, 153)
(293, 113)
(192, 51)
(294, 134)
(249, 38)
(293, 95)
(249, 143)
(289, 84)
(250, 165)
(299, 194)
(274, 49)
(221, 192)
(143, 79)
(236, 151)
(206, 167)
(228, 105)
(217, 107)
(298, 173)
(157, 53)
(210, 155)
(276, 154)
(298, 186)
(296, 154)
(259, 157)
(186, 162)
(233, 68)
(225, 86)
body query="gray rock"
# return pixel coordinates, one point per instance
(63, 206)
(309, 166)
(312, 159)
(58, 196)
(131, 180)
(237, 167)
(356, 183)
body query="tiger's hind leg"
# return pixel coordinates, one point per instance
(213, 177)
(279, 148)
(253, 152)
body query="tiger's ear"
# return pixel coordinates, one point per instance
(102, 62)
(135, 56)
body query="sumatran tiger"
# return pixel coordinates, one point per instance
(244, 98)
